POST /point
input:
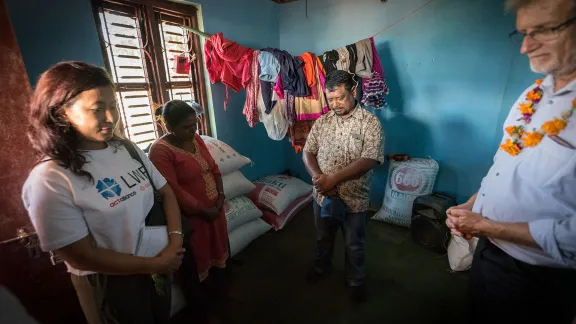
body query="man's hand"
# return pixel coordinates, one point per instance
(465, 206)
(465, 223)
(324, 183)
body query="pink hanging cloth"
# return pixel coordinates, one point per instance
(227, 62)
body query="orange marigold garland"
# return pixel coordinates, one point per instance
(519, 138)
(532, 139)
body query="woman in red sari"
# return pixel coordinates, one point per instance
(184, 160)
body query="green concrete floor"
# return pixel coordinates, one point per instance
(407, 283)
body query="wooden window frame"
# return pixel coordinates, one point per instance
(155, 71)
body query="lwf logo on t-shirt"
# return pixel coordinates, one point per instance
(109, 188)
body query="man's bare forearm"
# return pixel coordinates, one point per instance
(355, 170)
(311, 164)
(512, 232)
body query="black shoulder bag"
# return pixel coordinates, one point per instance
(156, 216)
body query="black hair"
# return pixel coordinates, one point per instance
(175, 111)
(337, 78)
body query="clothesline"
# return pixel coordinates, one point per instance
(205, 35)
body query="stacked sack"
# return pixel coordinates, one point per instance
(280, 197)
(242, 216)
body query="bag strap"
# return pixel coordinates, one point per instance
(134, 154)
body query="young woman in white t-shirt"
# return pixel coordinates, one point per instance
(88, 199)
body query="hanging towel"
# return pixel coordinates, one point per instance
(365, 58)
(252, 89)
(269, 67)
(374, 89)
(293, 79)
(275, 123)
(329, 60)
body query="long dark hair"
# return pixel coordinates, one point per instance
(53, 137)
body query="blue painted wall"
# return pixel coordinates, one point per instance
(52, 31)
(452, 71)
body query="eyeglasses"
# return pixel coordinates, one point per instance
(542, 34)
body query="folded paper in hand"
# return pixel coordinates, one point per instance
(152, 240)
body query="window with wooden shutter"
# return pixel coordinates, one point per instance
(140, 41)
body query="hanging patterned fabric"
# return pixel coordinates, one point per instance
(343, 62)
(252, 89)
(374, 89)
(290, 108)
(309, 108)
(299, 133)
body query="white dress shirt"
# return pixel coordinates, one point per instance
(537, 186)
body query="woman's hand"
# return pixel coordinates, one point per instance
(210, 214)
(220, 202)
(168, 260)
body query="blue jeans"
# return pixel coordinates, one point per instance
(354, 231)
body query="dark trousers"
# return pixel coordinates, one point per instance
(506, 290)
(115, 299)
(354, 231)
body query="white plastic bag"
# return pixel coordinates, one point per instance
(245, 234)
(226, 157)
(240, 211)
(236, 185)
(461, 252)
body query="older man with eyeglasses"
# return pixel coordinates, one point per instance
(524, 268)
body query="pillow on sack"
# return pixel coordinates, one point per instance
(245, 234)
(226, 157)
(235, 185)
(240, 211)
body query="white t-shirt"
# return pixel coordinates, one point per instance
(65, 207)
